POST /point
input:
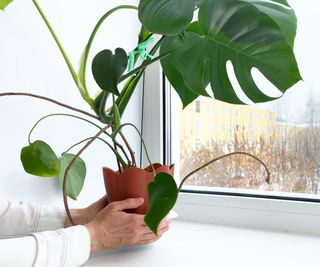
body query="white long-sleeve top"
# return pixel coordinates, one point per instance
(34, 236)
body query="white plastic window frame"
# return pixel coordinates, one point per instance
(297, 213)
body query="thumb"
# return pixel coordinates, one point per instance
(130, 203)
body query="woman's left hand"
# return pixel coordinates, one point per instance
(86, 215)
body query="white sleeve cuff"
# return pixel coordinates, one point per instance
(50, 218)
(68, 247)
(27, 218)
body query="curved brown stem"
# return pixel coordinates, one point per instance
(49, 100)
(221, 157)
(64, 185)
(133, 158)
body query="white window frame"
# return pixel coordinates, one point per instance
(255, 212)
(296, 213)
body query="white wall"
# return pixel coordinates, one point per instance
(31, 62)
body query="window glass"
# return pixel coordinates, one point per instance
(285, 133)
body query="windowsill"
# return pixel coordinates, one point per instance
(250, 212)
(197, 244)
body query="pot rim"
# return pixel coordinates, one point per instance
(147, 169)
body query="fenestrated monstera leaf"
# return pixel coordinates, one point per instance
(282, 14)
(186, 95)
(283, 2)
(108, 68)
(4, 3)
(168, 17)
(163, 195)
(239, 31)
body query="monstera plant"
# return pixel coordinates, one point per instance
(195, 40)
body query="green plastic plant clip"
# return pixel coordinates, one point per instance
(141, 51)
(131, 61)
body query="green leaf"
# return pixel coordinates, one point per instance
(39, 159)
(237, 31)
(283, 2)
(144, 34)
(196, 28)
(163, 195)
(76, 174)
(108, 68)
(194, 54)
(168, 17)
(175, 78)
(281, 14)
(4, 3)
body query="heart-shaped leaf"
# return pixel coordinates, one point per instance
(166, 16)
(108, 68)
(75, 176)
(39, 159)
(4, 3)
(240, 32)
(163, 195)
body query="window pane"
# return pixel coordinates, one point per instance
(285, 133)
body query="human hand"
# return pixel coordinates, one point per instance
(86, 215)
(113, 228)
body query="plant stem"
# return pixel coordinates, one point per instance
(82, 71)
(221, 157)
(99, 107)
(129, 148)
(55, 37)
(142, 66)
(50, 100)
(113, 128)
(80, 118)
(80, 142)
(101, 139)
(157, 45)
(64, 189)
(143, 143)
(130, 84)
(127, 92)
(56, 114)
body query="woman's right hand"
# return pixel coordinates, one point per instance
(113, 228)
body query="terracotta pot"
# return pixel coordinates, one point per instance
(132, 182)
